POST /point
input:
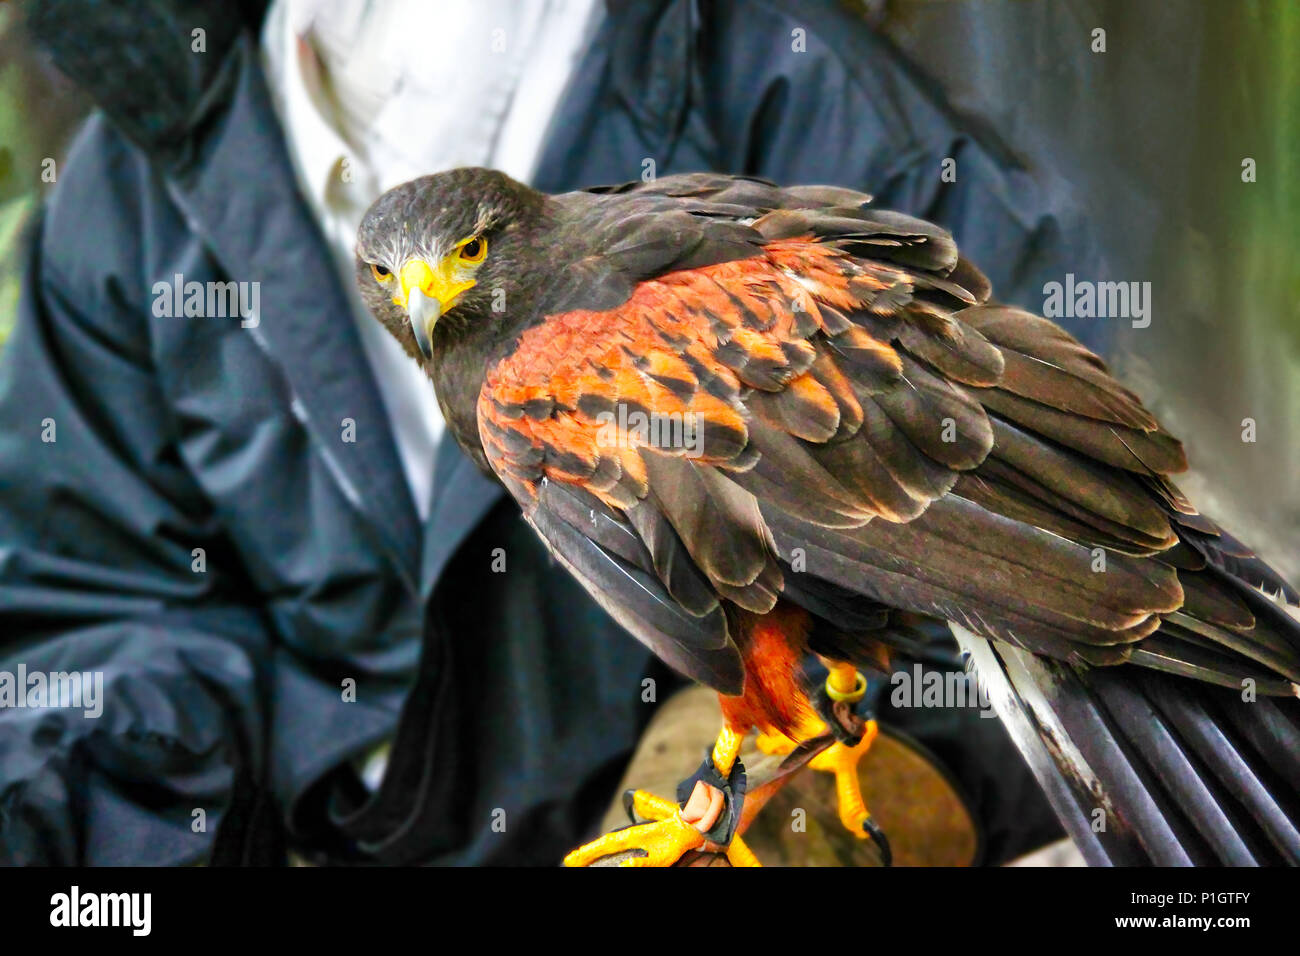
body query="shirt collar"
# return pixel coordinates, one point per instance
(320, 154)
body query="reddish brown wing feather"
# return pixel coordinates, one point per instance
(827, 388)
(685, 346)
(756, 385)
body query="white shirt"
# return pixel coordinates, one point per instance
(371, 95)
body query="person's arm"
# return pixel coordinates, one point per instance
(112, 567)
(838, 104)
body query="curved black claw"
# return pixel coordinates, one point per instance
(881, 841)
(629, 804)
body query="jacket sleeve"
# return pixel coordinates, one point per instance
(837, 103)
(131, 713)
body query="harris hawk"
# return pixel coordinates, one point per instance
(760, 424)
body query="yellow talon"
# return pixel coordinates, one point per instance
(739, 854)
(842, 761)
(674, 830)
(726, 748)
(670, 834)
(651, 807)
(662, 843)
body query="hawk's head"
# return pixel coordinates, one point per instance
(445, 250)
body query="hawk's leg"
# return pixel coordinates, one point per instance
(845, 686)
(706, 818)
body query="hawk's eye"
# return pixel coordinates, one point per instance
(474, 250)
(380, 273)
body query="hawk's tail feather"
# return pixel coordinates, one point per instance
(1151, 768)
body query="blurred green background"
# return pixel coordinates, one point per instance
(1152, 134)
(39, 111)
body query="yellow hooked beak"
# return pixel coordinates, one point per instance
(428, 292)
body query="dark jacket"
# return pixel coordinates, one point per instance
(323, 618)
